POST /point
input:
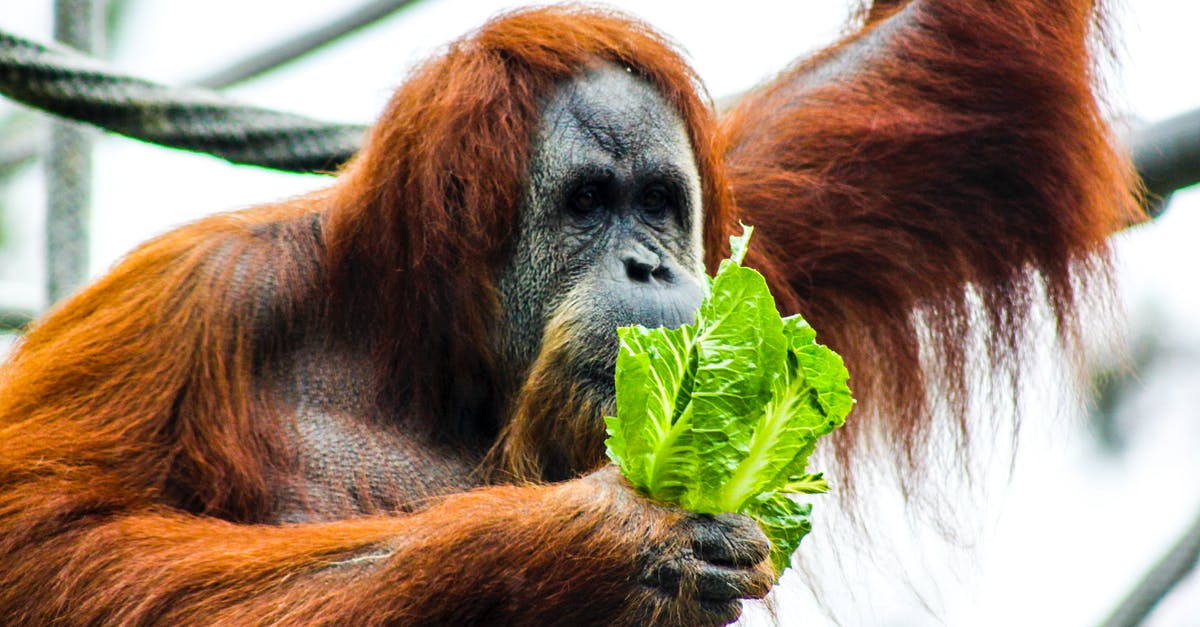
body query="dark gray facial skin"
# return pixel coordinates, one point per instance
(611, 234)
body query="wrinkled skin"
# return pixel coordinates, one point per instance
(695, 569)
(611, 237)
(611, 233)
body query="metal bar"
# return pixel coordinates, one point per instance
(77, 23)
(303, 44)
(1173, 567)
(24, 135)
(13, 321)
(1167, 155)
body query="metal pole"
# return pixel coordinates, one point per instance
(302, 44)
(77, 23)
(1179, 561)
(1167, 154)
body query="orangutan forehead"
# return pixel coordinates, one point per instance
(610, 109)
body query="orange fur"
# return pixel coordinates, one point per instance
(947, 151)
(146, 441)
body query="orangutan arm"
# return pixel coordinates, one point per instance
(583, 552)
(921, 184)
(135, 433)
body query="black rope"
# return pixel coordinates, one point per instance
(66, 83)
(24, 141)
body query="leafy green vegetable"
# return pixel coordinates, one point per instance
(722, 415)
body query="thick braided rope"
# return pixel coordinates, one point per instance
(61, 81)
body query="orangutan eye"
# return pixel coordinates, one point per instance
(655, 200)
(586, 200)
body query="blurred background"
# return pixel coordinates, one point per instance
(1104, 480)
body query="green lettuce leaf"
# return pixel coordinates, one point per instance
(722, 415)
(785, 523)
(647, 433)
(739, 331)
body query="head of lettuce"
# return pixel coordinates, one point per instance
(722, 415)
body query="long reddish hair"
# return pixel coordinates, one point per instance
(917, 221)
(426, 212)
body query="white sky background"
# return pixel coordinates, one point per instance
(1057, 544)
